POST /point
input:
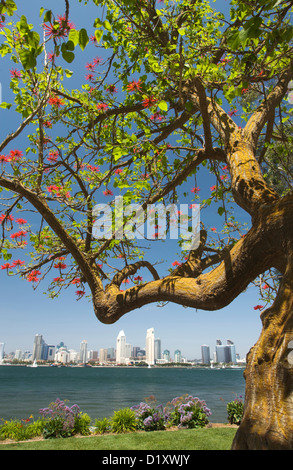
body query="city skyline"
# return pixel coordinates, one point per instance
(152, 348)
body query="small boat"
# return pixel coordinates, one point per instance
(34, 364)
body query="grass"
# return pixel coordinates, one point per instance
(218, 438)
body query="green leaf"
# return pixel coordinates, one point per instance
(107, 25)
(163, 106)
(27, 59)
(221, 210)
(74, 36)
(5, 105)
(181, 31)
(48, 16)
(83, 38)
(98, 34)
(68, 56)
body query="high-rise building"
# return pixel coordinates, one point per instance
(83, 352)
(177, 356)
(2, 345)
(120, 348)
(150, 346)
(166, 355)
(225, 353)
(158, 352)
(205, 354)
(38, 348)
(103, 353)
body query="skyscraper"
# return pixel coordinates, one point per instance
(177, 356)
(83, 352)
(205, 354)
(120, 348)
(38, 348)
(2, 351)
(150, 346)
(158, 352)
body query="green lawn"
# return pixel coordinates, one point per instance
(184, 439)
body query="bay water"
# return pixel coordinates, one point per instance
(99, 391)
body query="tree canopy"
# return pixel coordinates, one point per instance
(179, 88)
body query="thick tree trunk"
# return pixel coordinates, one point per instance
(268, 412)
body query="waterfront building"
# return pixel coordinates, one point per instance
(232, 348)
(2, 345)
(205, 354)
(150, 346)
(83, 352)
(225, 353)
(128, 350)
(158, 353)
(103, 355)
(62, 355)
(166, 355)
(120, 348)
(135, 351)
(18, 355)
(177, 356)
(110, 353)
(38, 348)
(73, 355)
(93, 355)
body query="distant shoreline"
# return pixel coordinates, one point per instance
(72, 366)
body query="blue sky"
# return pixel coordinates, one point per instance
(25, 312)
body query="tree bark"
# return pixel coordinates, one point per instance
(267, 423)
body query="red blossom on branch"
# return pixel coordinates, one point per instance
(32, 276)
(55, 101)
(6, 266)
(149, 102)
(102, 107)
(258, 307)
(108, 192)
(17, 262)
(60, 265)
(135, 85)
(15, 73)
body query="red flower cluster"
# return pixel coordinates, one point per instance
(108, 192)
(176, 263)
(258, 307)
(15, 73)
(135, 85)
(32, 276)
(55, 101)
(58, 29)
(21, 233)
(6, 217)
(53, 156)
(149, 102)
(102, 107)
(60, 265)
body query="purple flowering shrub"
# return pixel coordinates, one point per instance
(64, 421)
(149, 416)
(187, 412)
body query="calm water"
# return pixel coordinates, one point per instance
(100, 391)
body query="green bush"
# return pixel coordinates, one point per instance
(235, 411)
(20, 430)
(82, 424)
(102, 426)
(123, 421)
